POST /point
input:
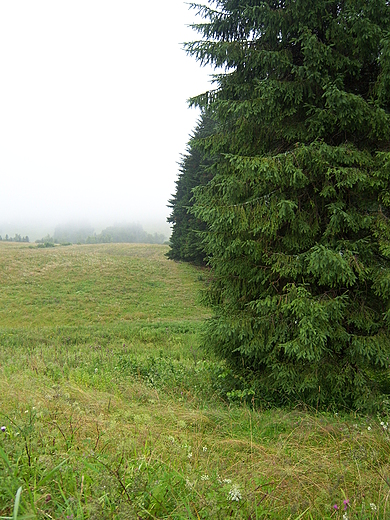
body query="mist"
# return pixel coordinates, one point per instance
(94, 113)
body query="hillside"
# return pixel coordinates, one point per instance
(109, 408)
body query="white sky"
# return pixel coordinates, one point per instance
(93, 112)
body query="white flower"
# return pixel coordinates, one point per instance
(345, 516)
(227, 481)
(189, 455)
(189, 484)
(204, 477)
(235, 493)
(369, 428)
(171, 439)
(204, 448)
(373, 506)
(96, 370)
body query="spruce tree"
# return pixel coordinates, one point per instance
(298, 209)
(186, 239)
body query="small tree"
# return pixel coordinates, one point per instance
(298, 210)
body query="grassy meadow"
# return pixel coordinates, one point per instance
(110, 410)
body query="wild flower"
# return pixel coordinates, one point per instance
(346, 504)
(3, 428)
(189, 455)
(204, 448)
(369, 428)
(96, 370)
(234, 493)
(226, 481)
(204, 477)
(373, 506)
(336, 507)
(345, 516)
(384, 425)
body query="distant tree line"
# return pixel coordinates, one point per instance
(126, 233)
(133, 233)
(72, 233)
(16, 238)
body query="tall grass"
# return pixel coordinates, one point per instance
(109, 409)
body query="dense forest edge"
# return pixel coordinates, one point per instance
(284, 193)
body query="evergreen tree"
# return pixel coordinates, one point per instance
(298, 209)
(186, 239)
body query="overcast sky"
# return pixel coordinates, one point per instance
(93, 111)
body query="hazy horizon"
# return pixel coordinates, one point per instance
(94, 114)
(37, 230)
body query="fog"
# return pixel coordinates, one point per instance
(93, 111)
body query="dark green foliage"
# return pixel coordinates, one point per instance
(186, 240)
(298, 210)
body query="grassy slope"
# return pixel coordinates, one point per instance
(110, 410)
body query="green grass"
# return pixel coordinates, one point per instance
(100, 284)
(111, 410)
